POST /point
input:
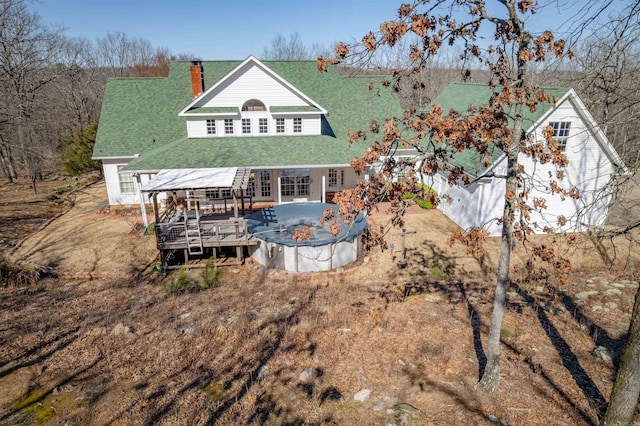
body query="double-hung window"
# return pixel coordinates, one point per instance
(297, 125)
(211, 127)
(246, 126)
(561, 132)
(263, 125)
(127, 182)
(279, 125)
(228, 126)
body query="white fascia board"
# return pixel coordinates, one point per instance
(123, 157)
(596, 130)
(304, 166)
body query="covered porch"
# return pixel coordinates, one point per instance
(202, 215)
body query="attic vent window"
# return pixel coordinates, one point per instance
(253, 105)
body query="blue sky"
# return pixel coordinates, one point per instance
(234, 29)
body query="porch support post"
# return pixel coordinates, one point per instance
(155, 207)
(323, 197)
(234, 193)
(143, 207)
(279, 190)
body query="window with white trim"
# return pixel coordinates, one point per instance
(211, 127)
(251, 187)
(126, 181)
(263, 125)
(228, 126)
(561, 132)
(297, 125)
(279, 125)
(246, 126)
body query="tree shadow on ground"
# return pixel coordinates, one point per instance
(421, 267)
(599, 335)
(569, 360)
(236, 383)
(430, 275)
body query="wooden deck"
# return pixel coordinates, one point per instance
(199, 236)
(212, 233)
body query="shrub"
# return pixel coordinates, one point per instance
(438, 273)
(210, 274)
(183, 283)
(423, 199)
(14, 276)
(78, 151)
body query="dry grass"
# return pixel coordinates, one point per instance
(121, 351)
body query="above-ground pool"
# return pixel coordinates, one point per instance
(274, 228)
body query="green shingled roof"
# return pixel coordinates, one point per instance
(213, 110)
(300, 108)
(140, 116)
(463, 96)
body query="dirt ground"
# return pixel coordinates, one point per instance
(376, 343)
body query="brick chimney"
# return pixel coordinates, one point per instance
(197, 78)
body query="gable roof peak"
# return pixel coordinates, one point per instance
(256, 62)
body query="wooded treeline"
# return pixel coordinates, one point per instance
(51, 86)
(51, 89)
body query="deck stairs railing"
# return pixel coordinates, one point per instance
(194, 239)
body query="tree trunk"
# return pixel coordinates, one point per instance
(7, 162)
(491, 376)
(626, 390)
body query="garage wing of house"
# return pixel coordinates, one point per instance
(593, 163)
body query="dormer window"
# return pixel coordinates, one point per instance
(263, 125)
(228, 126)
(211, 127)
(297, 125)
(246, 126)
(253, 105)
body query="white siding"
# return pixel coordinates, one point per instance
(477, 205)
(252, 82)
(112, 181)
(589, 169)
(197, 127)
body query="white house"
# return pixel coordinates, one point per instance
(593, 163)
(282, 126)
(284, 121)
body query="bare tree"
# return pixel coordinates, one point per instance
(120, 54)
(609, 70)
(288, 49)
(28, 51)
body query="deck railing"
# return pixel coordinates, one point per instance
(213, 232)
